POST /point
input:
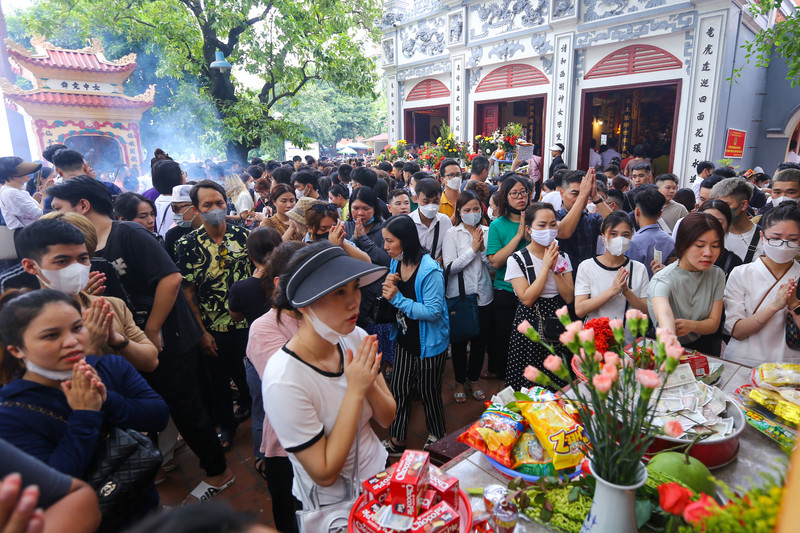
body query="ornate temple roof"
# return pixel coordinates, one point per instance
(89, 59)
(48, 97)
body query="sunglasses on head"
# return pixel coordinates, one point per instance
(321, 208)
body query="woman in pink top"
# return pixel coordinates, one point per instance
(268, 334)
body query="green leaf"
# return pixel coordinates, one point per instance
(644, 509)
(574, 493)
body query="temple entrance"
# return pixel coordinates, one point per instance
(494, 115)
(631, 115)
(103, 153)
(424, 125)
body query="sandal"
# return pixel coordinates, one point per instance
(395, 450)
(205, 492)
(479, 395)
(460, 397)
(260, 466)
(242, 414)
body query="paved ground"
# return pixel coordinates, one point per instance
(250, 493)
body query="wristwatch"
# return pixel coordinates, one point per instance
(796, 310)
(598, 201)
(122, 345)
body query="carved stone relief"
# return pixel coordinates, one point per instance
(635, 30)
(388, 52)
(540, 44)
(477, 55)
(474, 78)
(456, 28)
(423, 71)
(506, 50)
(563, 8)
(508, 15)
(426, 37)
(600, 9)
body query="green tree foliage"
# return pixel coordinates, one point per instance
(782, 40)
(284, 44)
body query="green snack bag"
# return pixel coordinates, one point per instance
(530, 458)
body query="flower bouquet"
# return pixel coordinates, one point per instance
(617, 404)
(429, 154)
(511, 134)
(446, 142)
(396, 152)
(486, 144)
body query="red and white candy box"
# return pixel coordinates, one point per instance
(441, 519)
(409, 483)
(446, 487)
(377, 487)
(363, 519)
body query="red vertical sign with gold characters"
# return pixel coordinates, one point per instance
(734, 143)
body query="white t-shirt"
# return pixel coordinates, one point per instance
(746, 287)
(302, 403)
(163, 214)
(550, 288)
(738, 244)
(553, 198)
(594, 278)
(244, 202)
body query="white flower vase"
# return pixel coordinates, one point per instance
(613, 505)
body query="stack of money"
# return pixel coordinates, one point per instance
(699, 408)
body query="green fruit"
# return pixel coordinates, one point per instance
(694, 475)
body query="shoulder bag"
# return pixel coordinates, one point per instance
(462, 311)
(550, 327)
(123, 468)
(331, 518)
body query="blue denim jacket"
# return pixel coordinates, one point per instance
(430, 309)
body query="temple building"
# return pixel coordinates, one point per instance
(77, 99)
(619, 72)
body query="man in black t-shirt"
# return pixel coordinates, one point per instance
(153, 283)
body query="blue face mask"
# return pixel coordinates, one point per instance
(370, 221)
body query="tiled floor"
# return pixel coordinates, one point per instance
(250, 493)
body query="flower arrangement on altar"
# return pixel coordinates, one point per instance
(393, 153)
(617, 404)
(510, 135)
(486, 145)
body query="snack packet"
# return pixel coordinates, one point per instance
(560, 435)
(774, 376)
(530, 457)
(495, 433)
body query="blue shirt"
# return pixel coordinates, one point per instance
(645, 241)
(582, 244)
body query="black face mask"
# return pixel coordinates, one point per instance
(514, 211)
(322, 236)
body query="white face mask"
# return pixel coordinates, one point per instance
(412, 192)
(57, 375)
(781, 199)
(490, 213)
(251, 185)
(429, 211)
(781, 253)
(471, 219)
(323, 329)
(300, 193)
(454, 183)
(70, 280)
(545, 237)
(618, 245)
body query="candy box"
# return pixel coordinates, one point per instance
(429, 500)
(445, 485)
(698, 362)
(363, 519)
(441, 519)
(377, 487)
(409, 483)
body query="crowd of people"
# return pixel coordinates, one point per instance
(315, 296)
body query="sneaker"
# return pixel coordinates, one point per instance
(431, 440)
(394, 450)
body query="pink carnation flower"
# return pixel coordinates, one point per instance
(575, 327)
(524, 326)
(616, 324)
(634, 314)
(648, 378)
(611, 371)
(531, 373)
(675, 351)
(566, 337)
(673, 428)
(611, 358)
(602, 383)
(552, 363)
(586, 335)
(562, 312)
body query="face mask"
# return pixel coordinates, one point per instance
(591, 208)
(429, 211)
(215, 217)
(322, 329)
(490, 213)
(180, 222)
(57, 375)
(251, 185)
(514, 211)
(322, 236)
(617, 246)
(70, 280)
(412, 192)
(300, 193)
(781, 253)
(781, 199)
(454, 183)
(545, 237)
(471, 219)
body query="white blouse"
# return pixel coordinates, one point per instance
(746, 287)
(457, 251)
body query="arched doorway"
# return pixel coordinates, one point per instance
(103, 153)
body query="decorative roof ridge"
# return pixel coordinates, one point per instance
(95, 47)
(9, 88)
(148, 96)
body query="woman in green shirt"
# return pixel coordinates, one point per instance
(506, 236)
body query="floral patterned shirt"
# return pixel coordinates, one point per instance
(212, 268)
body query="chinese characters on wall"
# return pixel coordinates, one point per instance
(562, 91)
(457, 109)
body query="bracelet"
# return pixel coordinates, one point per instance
(755, 315)
(121, 346)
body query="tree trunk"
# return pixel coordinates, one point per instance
(237, 151)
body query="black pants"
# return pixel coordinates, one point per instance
(177, 380)
(504, 308)
(279, 482)
(409, 370)
(227, 365)
(469, 367)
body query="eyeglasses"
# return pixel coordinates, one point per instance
(789, 244)
(321, 208)
(518, 194)
(451, 176)
(180, 208)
